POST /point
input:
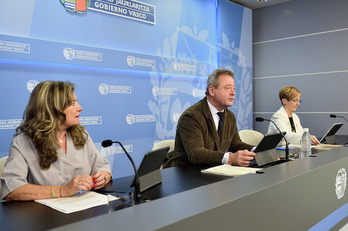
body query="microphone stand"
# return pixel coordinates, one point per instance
(137, 195)
(259, 119)
(334, 116)
(286, 142)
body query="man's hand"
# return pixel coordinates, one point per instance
(241, 158)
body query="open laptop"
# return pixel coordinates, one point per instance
(148, 172)
(269, 142)
(329, 135)
(265, 151)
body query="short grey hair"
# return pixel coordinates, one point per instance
(213, 79)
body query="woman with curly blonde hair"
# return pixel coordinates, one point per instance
(52, 155)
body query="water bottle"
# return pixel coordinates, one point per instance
(306, 144)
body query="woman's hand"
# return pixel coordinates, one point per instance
(314, 140)
(100, 179)
(83, 182)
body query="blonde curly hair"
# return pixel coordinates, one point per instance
(43, 116)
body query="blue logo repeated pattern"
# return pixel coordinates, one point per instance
(132, 85)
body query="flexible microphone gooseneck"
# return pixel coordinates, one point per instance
(334, 116)
(108, 143)
(260, 119)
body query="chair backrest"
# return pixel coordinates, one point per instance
(251, 137)
(164, 143)
(2, 166)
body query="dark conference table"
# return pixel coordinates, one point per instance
(295, 195)
(34, 216)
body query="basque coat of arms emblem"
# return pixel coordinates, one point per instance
(76, 6)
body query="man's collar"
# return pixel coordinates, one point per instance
(212, 108)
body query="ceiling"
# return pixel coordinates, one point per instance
(256, 4)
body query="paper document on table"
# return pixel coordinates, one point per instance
(327, 146)
(319, 146)
(229, 170)
(76, 203)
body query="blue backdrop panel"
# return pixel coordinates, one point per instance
(134, 77)
(235, 54)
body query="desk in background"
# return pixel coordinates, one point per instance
(341, 139)
(296, 149)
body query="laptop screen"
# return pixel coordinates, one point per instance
(152, 161)
(332, 131)
(269, 142)
(148, 172)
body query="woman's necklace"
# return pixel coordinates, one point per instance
(61, 140)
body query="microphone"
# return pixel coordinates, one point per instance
(260, 119)
(108, 143)
(334, 116)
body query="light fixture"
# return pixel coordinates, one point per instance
(262, 0)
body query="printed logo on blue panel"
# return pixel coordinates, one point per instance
(91, 120)
(198, 93)
(131, 119)
(31, 85)
(105, 89)
(10, 123)
(176, 116)
(131, 9)
(78, 6)
(341, 183)
(112, 150)
(70, 54)
(184, 67)
(156, 91)
(14, 47)
(134, 61)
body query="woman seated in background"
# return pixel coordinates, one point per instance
(51, 155)
(286, 119)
